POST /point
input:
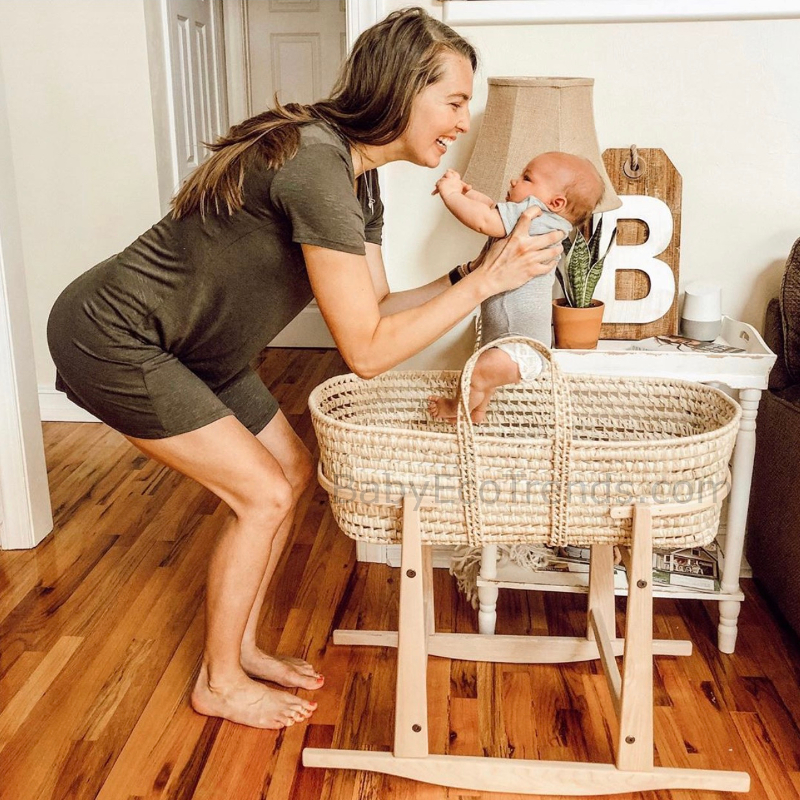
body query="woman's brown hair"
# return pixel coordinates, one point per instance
(370, 104)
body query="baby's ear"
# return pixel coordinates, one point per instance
(558, 203)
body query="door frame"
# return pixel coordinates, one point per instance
(25, 511)
(156, 19)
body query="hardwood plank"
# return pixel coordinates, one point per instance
(438, 705)
(114, 690)
(464, 727)
(308, 783)
(556, 719)
(517, 700)
(159, 745)
(16, 713)
(18, 575)
(769, 768)
(12, 681)
(491, 721)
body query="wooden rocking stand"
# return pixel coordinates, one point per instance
(631, 688)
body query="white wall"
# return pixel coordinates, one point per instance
(81, 124)
(720, 98)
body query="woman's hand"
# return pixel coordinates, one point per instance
(511, 262)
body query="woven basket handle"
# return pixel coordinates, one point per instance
(562, 408)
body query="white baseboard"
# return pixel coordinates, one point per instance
(307, 329)
(442, 555)
(54, 406)
(371, 553)
(390, 554)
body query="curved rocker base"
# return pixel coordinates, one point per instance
(519, 776)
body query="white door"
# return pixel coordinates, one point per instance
(197, 69)
(296, 47)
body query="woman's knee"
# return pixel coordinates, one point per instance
(268, 504)
(286, 446)
(299, 470)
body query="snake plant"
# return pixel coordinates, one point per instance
(582, 267)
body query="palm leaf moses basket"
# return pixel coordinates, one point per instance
(552, 460)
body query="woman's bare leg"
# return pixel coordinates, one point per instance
(227, 459)
(298, 467)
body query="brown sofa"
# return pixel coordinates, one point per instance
(773, 525)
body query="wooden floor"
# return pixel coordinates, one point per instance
(101, 631)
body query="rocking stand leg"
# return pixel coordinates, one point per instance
(635, 746)
(411, 707)
(600, 614)
(601, 587)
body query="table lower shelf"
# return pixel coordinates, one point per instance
(570, 582)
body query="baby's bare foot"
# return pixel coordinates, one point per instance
(443, 408)
(284, 670)
(249, 703)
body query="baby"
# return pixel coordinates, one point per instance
(567, 188)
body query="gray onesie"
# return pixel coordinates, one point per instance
(527, 310)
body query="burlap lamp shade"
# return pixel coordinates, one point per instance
(528, 116)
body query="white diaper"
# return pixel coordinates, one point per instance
(525, 357)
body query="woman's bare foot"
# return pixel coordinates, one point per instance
(443, 408)
(249, 703)
(283, 670)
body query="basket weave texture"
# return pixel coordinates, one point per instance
(551, 459)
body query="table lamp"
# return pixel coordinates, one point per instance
(528, 116)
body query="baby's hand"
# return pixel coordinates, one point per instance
(450, 183)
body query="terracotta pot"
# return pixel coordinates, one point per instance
(577, 328)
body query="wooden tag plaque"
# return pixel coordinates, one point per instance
(656, 178)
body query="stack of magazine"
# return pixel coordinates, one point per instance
(690, 568)
(667, 343)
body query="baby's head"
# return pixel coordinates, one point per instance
(567, 184)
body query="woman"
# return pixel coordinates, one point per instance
(156, 341)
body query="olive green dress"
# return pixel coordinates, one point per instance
(157, 340)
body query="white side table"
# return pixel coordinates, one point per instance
(743, 373)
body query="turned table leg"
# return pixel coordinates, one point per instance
(487, 595)
(742, 476)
